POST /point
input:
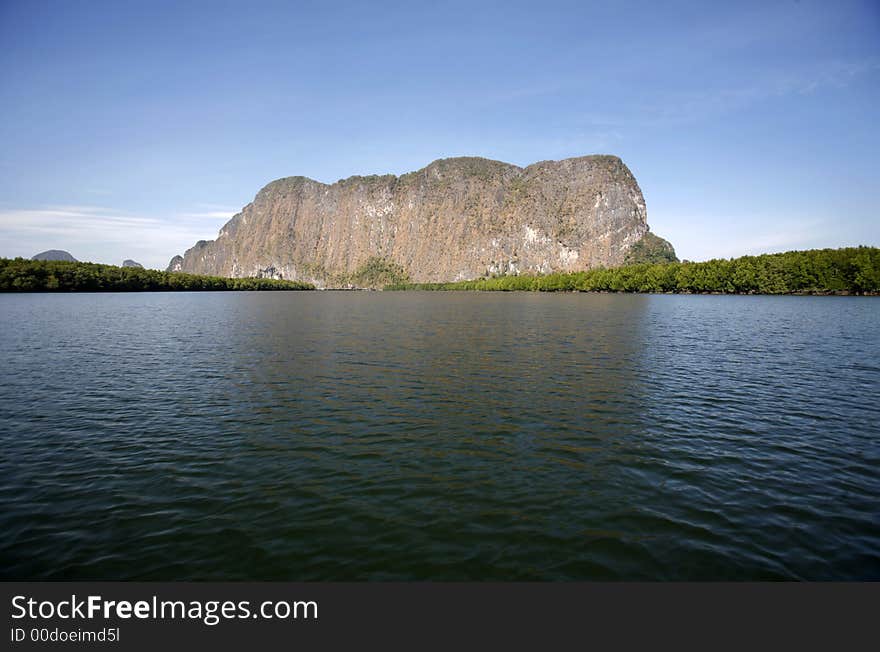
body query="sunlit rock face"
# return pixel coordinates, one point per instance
(458, 218)
(176, 264)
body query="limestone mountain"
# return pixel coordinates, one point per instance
(54, 254)
(128, 262)
(458, 218)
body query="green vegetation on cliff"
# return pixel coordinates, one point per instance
(650, 249)
(20, 275)
(854, 270)
(375, 273)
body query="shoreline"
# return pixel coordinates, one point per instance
(409, 290)
(719, 294)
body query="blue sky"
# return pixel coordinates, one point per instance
(132, 129)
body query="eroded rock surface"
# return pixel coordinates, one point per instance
(458, 218)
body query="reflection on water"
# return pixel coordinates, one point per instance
(438, 436)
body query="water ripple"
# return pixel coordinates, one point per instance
(439, 436)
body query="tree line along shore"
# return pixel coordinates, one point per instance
(22, 275)
(851, 270)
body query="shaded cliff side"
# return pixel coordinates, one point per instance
(458, 218)
(54, 254)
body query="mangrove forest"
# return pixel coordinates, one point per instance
(22, 275)
(852, 270)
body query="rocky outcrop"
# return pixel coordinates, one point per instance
(176, 264)
(131, 263)
(54, 254)
(651, 249)
(458, 218)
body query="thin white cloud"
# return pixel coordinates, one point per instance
(217, 207)
(212, 215)
(102, 234)
(78, 208)
(686, 106)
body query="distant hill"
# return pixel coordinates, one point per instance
(55, 254)
(128, 262)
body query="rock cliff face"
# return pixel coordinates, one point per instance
(458, 218)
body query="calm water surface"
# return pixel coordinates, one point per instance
(324, 435)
